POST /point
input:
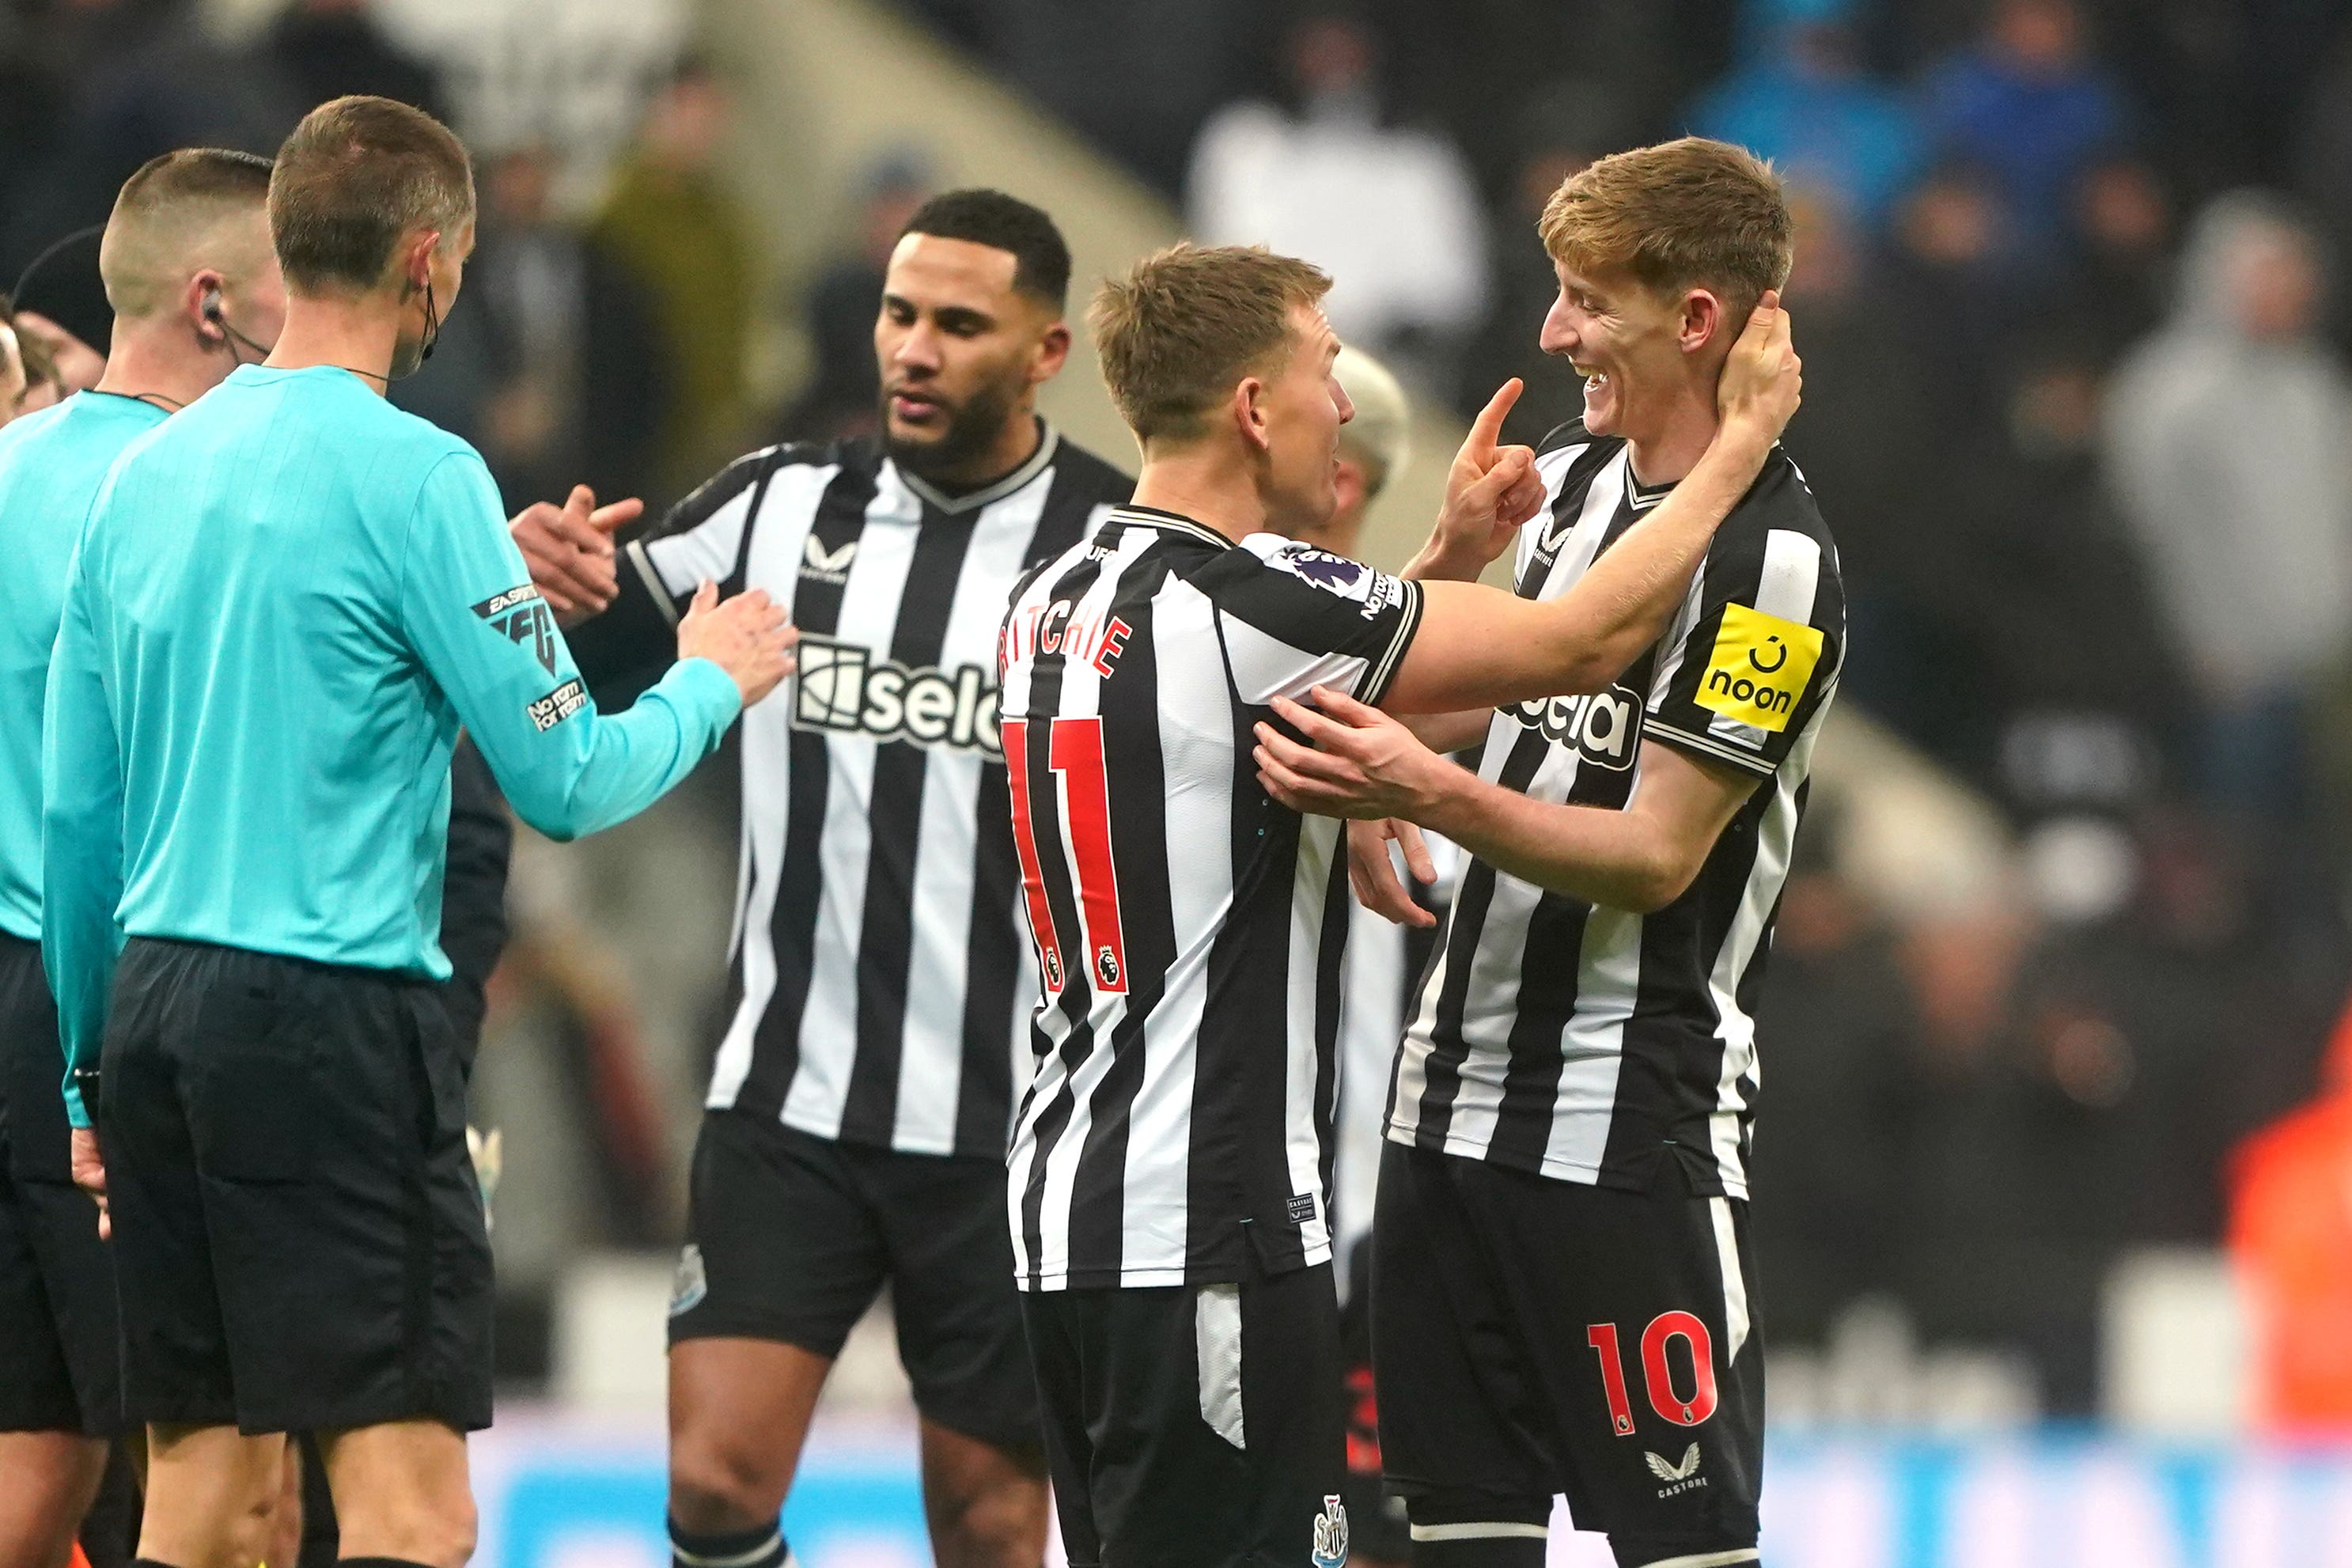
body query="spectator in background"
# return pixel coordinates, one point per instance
(2291, 1237)
(1391, 213)
(146, 76)
(2229, 447)
(677, 234)
(2324, 165)
(580, 390)
(1838, 1017)
(2113, 289)
(845, 386)
(327, 49)
(2033, 107)
(1803, 99)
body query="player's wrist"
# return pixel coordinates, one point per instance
(1446, 560)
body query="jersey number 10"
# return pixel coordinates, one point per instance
(1656, 1373)
(1075, 750)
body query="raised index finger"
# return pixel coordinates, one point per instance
(1489, 423)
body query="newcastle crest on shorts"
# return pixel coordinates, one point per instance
(1331, 1534)
(691, 1285)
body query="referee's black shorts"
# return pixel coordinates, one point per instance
(1532, 1336)
(1195, 1425)
(57, 1289)
(299, 1239)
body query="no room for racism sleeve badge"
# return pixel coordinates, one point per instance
(1760, 667)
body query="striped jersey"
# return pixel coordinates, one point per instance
(878, 979)
(1589, 1044)
(1188, 931)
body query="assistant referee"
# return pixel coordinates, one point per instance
(284, 603)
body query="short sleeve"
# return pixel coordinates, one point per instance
(1756, 649)
(1295, 617)
(703, 536)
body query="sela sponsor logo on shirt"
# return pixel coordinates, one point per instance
(1760, 667)
(546, 712)
(844, 688)
(1605, 727)
(1331, 1533)
(520, 615)
(1681, 1478)
(827, 566)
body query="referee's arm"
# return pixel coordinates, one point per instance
(567, 769)
(81, 841)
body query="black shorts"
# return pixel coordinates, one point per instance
(1195, 1425)
(299, 1240)
(57, 1289)
(791, 1237)
(1376, 1516)
(1534, 1336)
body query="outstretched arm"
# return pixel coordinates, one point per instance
(1365, 765)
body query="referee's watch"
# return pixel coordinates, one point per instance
(86, 1083)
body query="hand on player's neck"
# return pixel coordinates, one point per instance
(160, 357)
(358, 333)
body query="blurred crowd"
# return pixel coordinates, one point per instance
(2075, 294)
(608, 346)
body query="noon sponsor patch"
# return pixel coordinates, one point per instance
(546, 712)
(1760, 668)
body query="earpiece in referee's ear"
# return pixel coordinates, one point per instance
(211, 312)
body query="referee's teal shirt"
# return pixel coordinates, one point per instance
(51, 464)
(287, 599)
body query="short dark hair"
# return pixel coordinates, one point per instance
(1041, 258)
(355, 176)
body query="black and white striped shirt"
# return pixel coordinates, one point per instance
(879, 984)
(1190, 931)
(1591, 1044)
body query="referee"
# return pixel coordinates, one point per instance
(284, 603)
(185, 258)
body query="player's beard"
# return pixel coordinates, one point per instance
(970, 431)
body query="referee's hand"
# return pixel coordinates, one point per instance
(90, 1175)
(749, 636)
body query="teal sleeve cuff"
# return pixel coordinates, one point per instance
(699, 686)
(75, 1112)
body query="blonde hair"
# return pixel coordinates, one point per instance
(1188, 322)
(172, 218)
(1687, 214)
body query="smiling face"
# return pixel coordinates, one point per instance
(961, 350)
(1634, 347)
(1299, 407)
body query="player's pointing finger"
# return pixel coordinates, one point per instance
(1488, 425)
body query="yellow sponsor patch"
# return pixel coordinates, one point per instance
(1760, 668)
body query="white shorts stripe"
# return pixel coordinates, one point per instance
(1735, 1284)
(1490, 1530)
